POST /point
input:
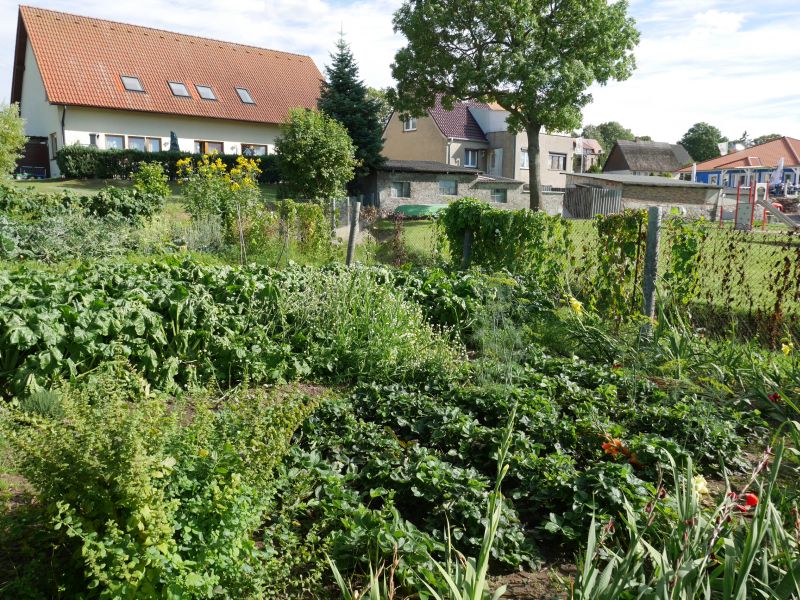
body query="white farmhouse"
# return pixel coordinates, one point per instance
(100, 83)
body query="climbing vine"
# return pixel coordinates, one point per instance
(684, 240)
(520, 241)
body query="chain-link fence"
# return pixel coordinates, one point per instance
(727, 282)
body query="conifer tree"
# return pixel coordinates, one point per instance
(344, 97)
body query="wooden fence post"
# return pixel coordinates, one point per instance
(355, 209)
(333, 218)
(467, 251)
(651, 268)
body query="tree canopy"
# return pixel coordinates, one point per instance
(12, 138)
(701, 141)
(763, 139)
(345, 98)
(535, 58)
(381, 97)
(607, 134)
(316, 156)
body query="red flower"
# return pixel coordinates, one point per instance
(774, 397)
(750, 499)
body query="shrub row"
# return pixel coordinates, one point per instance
(86, 162)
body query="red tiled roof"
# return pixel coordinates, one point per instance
(592, 145)
(459, 122)
(764, 155)
(81, 60)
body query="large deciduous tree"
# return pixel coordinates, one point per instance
(535, 58)
(345, 98)
(12, 138)
(316, 156)
(701, 141)
(607, 134)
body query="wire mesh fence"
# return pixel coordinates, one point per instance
(741, 283)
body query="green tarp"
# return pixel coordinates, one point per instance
(420, 210)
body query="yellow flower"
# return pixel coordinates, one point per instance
(576, 305)
(787, 348)
(700, 485)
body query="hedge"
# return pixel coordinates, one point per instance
(87, 162)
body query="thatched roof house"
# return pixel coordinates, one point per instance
(646, 158)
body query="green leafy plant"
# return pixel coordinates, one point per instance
(518, 241)
(164, 498)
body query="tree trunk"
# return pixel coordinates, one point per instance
(534, 165)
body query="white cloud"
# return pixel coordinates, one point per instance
(725, 62)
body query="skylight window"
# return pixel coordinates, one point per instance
(206, 93)
(179, 89)
(245, 96)
(132, 84)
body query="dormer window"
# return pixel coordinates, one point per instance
(205, 92)
(132, 84)
(245, 96)
(179, 89)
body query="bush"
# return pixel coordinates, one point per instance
(131, 204)
(86, 162)
(12, 138)
(163, 496)
(520, 241)
(150, 178)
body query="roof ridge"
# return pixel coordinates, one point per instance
(188, 35)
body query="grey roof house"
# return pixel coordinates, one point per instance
(646, 158)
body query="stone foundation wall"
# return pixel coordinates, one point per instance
(425, 190)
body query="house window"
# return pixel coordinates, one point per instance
(448, 187)
(410, 124)
(245, 96)
(401, 189)
(153, 144)
(205, 92)
(93, 140)
(179, 89)
(202, 147)
(254, 150)
(53, 145)
(132, 84)
(523, 158)
(115, 142)
(136, 143)
(558, 162)
(499, 195)
(470, 158)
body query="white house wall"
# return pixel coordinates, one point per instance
(81, 122)
(41, 117)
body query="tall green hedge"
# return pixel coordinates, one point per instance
(86, 162)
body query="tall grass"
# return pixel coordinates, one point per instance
(738, 550)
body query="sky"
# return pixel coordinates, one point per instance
(732, 63)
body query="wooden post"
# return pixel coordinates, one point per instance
(467, 251)
(355, 208)
(333, 217)
(651, 268)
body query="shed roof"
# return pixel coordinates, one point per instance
(425, 166)
(764, 155)
(652, 157)
(648, 180)
(82, 59)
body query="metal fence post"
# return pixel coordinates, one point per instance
(355, 208)
(651, 267)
